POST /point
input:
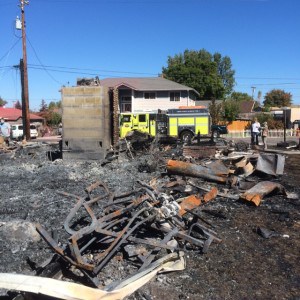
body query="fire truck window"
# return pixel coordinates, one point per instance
(142, 118)
(126, 118)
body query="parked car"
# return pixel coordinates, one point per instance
(17, 131)
(296, 122)
(217, 130)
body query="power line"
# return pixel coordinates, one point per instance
(10, 49)
(268, 78)
(6, 3)
(65, 70)
(73, 70)
(278, 83)
(79, 72)
(184, 2)
(42, 63)
(6, 57)
(97, 70)
(68, 72)
(7, 67)
(123, 1)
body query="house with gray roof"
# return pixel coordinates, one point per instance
(149, 94)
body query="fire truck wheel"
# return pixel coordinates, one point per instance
(186, 136)
(215, 134)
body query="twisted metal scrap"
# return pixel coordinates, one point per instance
(114, 219)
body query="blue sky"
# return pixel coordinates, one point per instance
(68, 39)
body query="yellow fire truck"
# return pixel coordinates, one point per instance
(183, 123)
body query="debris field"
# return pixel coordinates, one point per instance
(151, 221)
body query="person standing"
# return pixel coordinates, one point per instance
(255, 130)
(5, 130)
(264, 134)
(251, 133)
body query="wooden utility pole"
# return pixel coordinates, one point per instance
(24, 76)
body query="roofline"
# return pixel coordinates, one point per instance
(136, 89)
(125, 84)
(159, 90)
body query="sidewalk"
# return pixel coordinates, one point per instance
(272, 141)
(283, 151)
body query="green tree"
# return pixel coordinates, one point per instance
(210, 75)
(238, 96)
(2, 102)
(54, 118)
(216, 111)
(278, 98)
(272, 123)
(52, 105)
(231, 109)
(18, 105)
(224, 66)
(43, 106)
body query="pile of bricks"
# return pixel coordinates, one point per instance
(199, 151)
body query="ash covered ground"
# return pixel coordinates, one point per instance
(243, 266)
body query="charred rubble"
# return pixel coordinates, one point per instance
(150, 205)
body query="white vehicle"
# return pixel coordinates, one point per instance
(17, 131)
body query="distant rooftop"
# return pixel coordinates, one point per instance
(246, 106)
(13, 114)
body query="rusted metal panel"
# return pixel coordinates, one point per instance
(212, 194)
(272, 164)
(193, 201)
(189, 203)
(256, 193)
(218, 167)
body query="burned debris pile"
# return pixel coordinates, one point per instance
(141, 225)
(145, 209)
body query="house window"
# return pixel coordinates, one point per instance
(126, 107)
(174, 96)
(149, 95)
(126, 104)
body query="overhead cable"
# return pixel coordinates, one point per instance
(42, 63)
(10, 49)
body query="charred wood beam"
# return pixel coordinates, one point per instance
(151, 243)
(220, 194)
(150, 257)
(116, 244)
